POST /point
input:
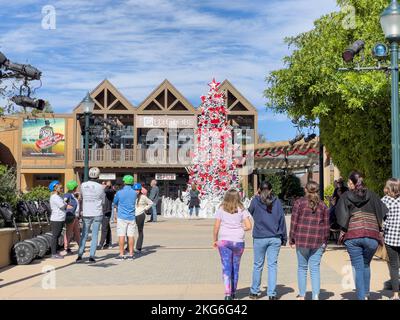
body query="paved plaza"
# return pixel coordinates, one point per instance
(178, 263)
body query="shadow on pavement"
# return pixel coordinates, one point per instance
(281, 290)
(323, 295)
(353, 296)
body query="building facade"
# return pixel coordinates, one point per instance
(164, 119)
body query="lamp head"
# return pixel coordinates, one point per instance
(390, 22)
(87, 104)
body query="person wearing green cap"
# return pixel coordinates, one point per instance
(72, 216)
(125, 201)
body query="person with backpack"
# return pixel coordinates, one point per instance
(71, 216)
(231, 222)
(391, 232)
(309, 234)
(57, 218)
(269, 234)
(142, 205)
(360, 214)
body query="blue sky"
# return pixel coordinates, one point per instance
(137, 44)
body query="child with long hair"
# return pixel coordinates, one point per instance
(232, 220)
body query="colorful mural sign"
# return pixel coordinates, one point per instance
(43, 137)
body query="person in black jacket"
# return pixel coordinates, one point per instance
(360, 214)
(106, 241)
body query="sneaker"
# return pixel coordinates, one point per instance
(254, 296)
(106, 246)
(228, 298)
(78, 259)
(57, 256)
(92, 260)
(233, 296)
(272, 298)
(120, 258)
(299, 297)
(132, 257)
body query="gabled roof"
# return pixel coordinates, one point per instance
(236, 101)
(108, 97)
(166, 98)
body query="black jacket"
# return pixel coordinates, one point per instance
(349, 203)
(110, 194)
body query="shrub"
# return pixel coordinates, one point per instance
(37, 193)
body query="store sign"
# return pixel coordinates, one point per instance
(107, 176)
(43, 137)
(166, 121)
(165, 176)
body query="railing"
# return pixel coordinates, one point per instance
(171, 157)
(120, 156)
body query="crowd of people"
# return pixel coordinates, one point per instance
(97, 205)
(364, 219)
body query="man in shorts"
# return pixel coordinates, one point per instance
(124, 204)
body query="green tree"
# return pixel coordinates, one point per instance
(353, 109)
(8, 185)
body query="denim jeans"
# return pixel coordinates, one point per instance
(361, 252)
(154, 212)
(265, 247)
(196, 210)
(309, 257)
(87, 224)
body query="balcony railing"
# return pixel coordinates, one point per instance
(106, 156)
(170, 157)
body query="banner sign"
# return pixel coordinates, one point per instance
(107, 176)
(43, 138)
(166, 121)
(165, 176)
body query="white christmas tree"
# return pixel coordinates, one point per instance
(214, 170)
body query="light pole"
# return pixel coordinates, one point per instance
(390, 22)
(87, 109)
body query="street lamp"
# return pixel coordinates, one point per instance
(87, 109)
(390, 22)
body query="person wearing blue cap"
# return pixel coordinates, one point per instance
(57, 218)
(142, 205)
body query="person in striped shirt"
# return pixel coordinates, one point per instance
(360, 214)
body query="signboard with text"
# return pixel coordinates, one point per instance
(43, 137)
(165, 176)
(166, 121)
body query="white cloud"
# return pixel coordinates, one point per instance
(138, 43)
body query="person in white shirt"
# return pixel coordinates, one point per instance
(142, 205)
(93, 198)
(57, 218)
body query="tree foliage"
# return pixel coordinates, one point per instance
(353, 109)
(37, 193)
(8, 185)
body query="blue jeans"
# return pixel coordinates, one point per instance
(361, 252)
(154, 212)
(265, 247)
(309, 257)
(87, 223)
(196, 211)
